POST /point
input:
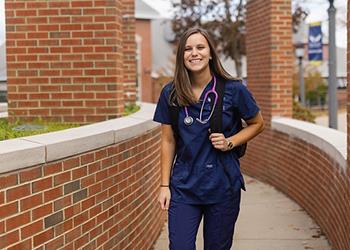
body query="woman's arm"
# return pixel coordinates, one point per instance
(167, 157)
(255, 126)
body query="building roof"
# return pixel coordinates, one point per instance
(144, 11)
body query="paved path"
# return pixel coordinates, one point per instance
(323, 121)
(268, 221)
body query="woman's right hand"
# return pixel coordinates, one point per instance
(164, 198)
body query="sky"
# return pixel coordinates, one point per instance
(316, 8)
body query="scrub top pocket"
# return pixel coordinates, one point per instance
(180, 171)
(209, 179)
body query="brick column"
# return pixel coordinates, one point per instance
(64, 60)
(348, 90)
(129, 50)
(269, 55)
(269, 65)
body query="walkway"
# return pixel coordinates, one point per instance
(268, 221)
(323, 121)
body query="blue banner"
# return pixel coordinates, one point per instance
(315, 43)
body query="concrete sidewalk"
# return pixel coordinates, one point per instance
(268, 221)
(342, 122)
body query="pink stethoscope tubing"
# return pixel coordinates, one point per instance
(189, 120)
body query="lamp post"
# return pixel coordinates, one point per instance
(332, 66)
(299, 53)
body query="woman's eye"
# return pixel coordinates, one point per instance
(187, 49)
(201, 47)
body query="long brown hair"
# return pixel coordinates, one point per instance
(182, 92)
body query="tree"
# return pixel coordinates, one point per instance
(298, 16)
(223, 19)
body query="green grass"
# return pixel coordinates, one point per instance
(21, 129)
(10, 131)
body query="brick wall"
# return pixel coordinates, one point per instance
(305, 173)
(129, 45)
(309, 176)
(102, 199)
(348, 87)
(65, 59)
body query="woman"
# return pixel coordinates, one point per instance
(200, 175)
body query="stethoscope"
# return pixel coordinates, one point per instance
(189, 119)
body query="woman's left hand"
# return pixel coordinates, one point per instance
(219, 141)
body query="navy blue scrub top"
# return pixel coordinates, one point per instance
(202, 174)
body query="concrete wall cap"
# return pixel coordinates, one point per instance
(19, 152)
(32, 150)
(330, 141)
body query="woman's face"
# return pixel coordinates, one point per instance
(197, 53)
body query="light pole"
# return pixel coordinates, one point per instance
(299, 53)
(332, 66)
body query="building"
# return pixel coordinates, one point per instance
(144, 15)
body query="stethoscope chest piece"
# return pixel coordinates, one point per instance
(188, 120)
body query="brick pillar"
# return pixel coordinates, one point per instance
(269, 66)
(269, 55)
(348, 89)
(64, 60)
(129, 49)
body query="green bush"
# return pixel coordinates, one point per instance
(130, 108)
(302, 113)
(315, 88)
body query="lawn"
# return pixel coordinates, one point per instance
(21, 129)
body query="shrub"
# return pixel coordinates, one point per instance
(302, 113)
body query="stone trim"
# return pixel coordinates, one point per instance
(32, 150)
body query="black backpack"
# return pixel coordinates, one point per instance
(215, 121)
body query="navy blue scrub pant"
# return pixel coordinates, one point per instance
(218, 224)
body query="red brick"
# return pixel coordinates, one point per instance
(2, 227)
(52, 194)
(31, 202)
(72, 235)
(42, 211)
(9, 239)
(81, 241)
(32, 229)
(71, 163)
(2, 197)
(17, 192)
(42, 184)
(63, 227)
(79, 173)
(43, 237)
(62, 178)
(17, 221)
(8, 181)
(55, 244)
(62, 203)
(25, 245)
(31, 174)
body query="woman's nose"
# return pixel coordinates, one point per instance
(194, 52)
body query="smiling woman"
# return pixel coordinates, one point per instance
(200, 174)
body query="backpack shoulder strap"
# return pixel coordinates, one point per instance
(174, 116)
(216, 119)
